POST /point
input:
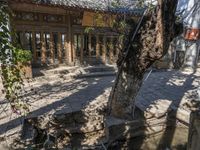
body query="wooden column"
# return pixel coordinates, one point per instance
(59, 47)
(111, 55)
(66, 49)
(82, 47)
(69, 40)
(104, 49)
(34, 48)
(97, 46)
(43, 48)
(52, 57)
(73, 50)
(90, 44)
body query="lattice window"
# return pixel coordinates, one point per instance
(53, 18)
(26, 16)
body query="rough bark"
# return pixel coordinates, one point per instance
(150, 44)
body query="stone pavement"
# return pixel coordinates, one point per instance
(166, 91)
(161, 92)
(48, 97)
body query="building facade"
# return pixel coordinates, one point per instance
(67, 32)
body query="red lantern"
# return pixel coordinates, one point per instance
(192, 34)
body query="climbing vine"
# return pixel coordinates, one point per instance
(11, 60)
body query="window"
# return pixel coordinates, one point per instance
(52, 18)
(26, 16)
(28, 41)
(101, 45)
(86, 46)
(93, 45)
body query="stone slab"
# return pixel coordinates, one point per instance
(117, 129)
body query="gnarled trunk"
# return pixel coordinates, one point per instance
(150, 44)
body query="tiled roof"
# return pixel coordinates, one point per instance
(123, 6)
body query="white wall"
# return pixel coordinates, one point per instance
(189, 11)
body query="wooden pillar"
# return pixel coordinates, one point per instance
(51, 45)
(111, 55)
(59, 47)
(82, 47)
(73, 50)
(69, 40)
(104, 49)
(34, 48)
(43, 48)
(90, 44)
(66, 49)
(97, 46)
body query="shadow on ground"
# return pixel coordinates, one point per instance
(85, 91)
(171, 86)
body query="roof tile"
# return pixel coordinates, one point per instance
(123, 6)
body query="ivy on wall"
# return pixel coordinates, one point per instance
(11, 61)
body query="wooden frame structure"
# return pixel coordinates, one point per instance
(56, 35)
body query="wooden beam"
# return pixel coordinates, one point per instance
(97, 46)
(52, 57)
(104, 50)
(59, 47)
(90, 43)
(33, 26)
(37, 8)
(34, 48)
(43, 48)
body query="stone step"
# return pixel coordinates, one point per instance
(61, 70)
(77, 72)
(95, 74)
(92, 61)
(100, 69)
(118, 129)
(67, 121)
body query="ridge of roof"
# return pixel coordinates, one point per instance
(121, 6)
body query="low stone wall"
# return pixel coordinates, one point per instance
(26, 70)
(194, 131)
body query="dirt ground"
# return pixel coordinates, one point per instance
(51, 94)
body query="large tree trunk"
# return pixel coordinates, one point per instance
(151, 43)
